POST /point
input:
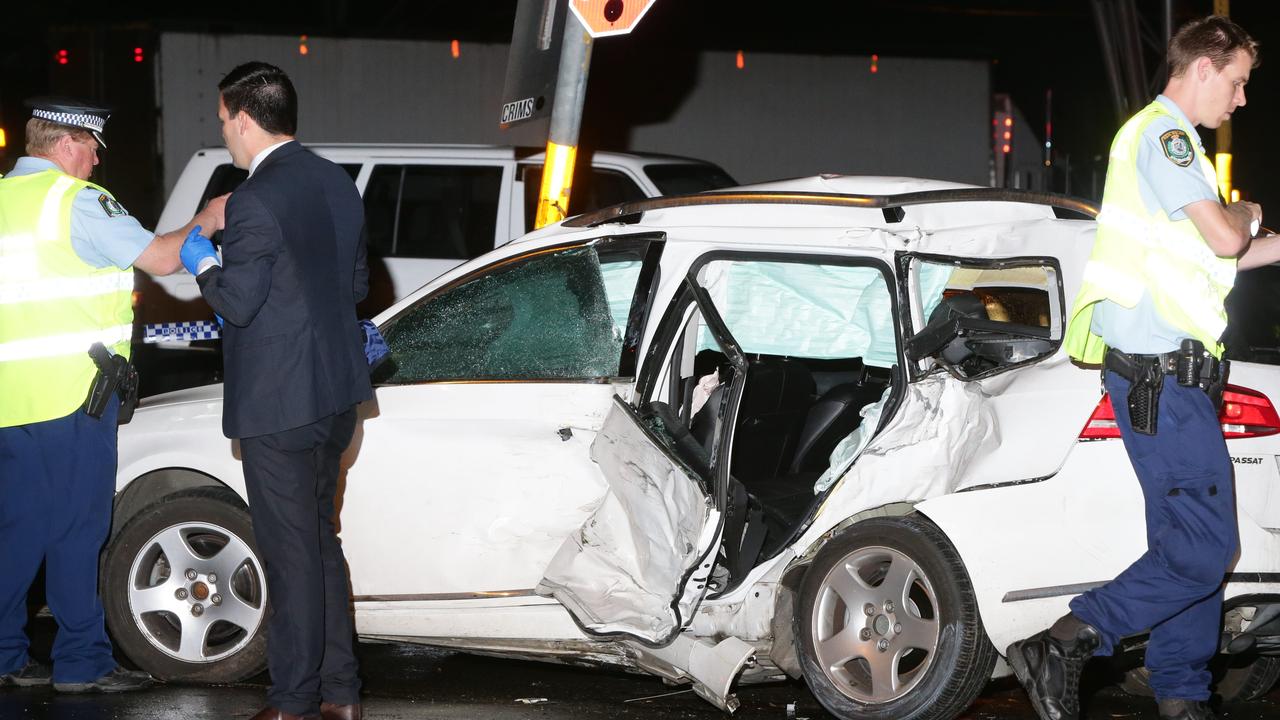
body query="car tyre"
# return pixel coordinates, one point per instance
(184, 589)
(1236, 678)
(887, 625)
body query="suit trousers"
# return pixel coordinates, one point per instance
(1175, 588)
(292, 479)
(57, 479)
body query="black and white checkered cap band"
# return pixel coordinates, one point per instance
(80, 120)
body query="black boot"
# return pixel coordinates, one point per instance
(1185, 710)
(1048, 665)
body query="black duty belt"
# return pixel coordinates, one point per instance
(1191, 365)
(1131, 366)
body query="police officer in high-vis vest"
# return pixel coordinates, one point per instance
(67, 249)
(1151, 312)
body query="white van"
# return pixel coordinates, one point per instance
(428, 208)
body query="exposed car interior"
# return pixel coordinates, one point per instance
(982, 320)
(791, 415)
(817, 353)
(804, 387)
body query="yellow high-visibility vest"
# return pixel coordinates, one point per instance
(1137, 250)
(53, 305)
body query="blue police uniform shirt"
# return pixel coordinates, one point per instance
(103, 234)
(1163, 186)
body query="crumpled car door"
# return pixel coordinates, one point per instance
(640, 565)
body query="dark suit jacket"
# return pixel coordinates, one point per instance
(293, 270)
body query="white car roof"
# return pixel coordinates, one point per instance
(983, 217)
(473, 152)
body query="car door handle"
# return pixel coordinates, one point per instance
(565, 433)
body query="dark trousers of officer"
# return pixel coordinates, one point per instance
(57, 479)
(292, 479)
(1175, 588)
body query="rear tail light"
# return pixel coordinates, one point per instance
(1245, 413)
(1102, 423)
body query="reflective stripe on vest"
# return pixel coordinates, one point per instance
(74, 344)
(1139, 251)
(61, 288)
(53, 305)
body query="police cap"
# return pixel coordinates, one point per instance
(72, 113)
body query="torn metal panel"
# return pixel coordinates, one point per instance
(925, 450)
(847, 450)
(711, 668)
(749, 618)
(623, 571)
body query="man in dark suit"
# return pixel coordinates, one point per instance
(293, 269)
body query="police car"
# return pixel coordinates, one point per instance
(821, 428)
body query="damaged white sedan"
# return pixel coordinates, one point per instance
(821, 428)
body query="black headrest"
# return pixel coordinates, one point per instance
(775, 385)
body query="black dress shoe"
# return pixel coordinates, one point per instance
(334, 711)
(118, 680)
(33, 674)
(1050, 669)
(1185, 710)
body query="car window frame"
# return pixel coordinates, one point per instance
(650, 243)
(908, 293)
(892, 287)
(672, 320)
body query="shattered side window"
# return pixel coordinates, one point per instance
(1017, 308)
(542, 318)
(807, 310)
(1018, 295)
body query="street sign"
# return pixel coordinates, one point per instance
(610, 17)
(533, 61)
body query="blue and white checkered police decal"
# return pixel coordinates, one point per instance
(181, 331)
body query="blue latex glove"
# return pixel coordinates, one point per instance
(196, 248)
(375, 348)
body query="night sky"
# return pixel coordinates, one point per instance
(1033, 46)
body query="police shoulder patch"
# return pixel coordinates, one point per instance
(110, 206)
(1177, 147)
